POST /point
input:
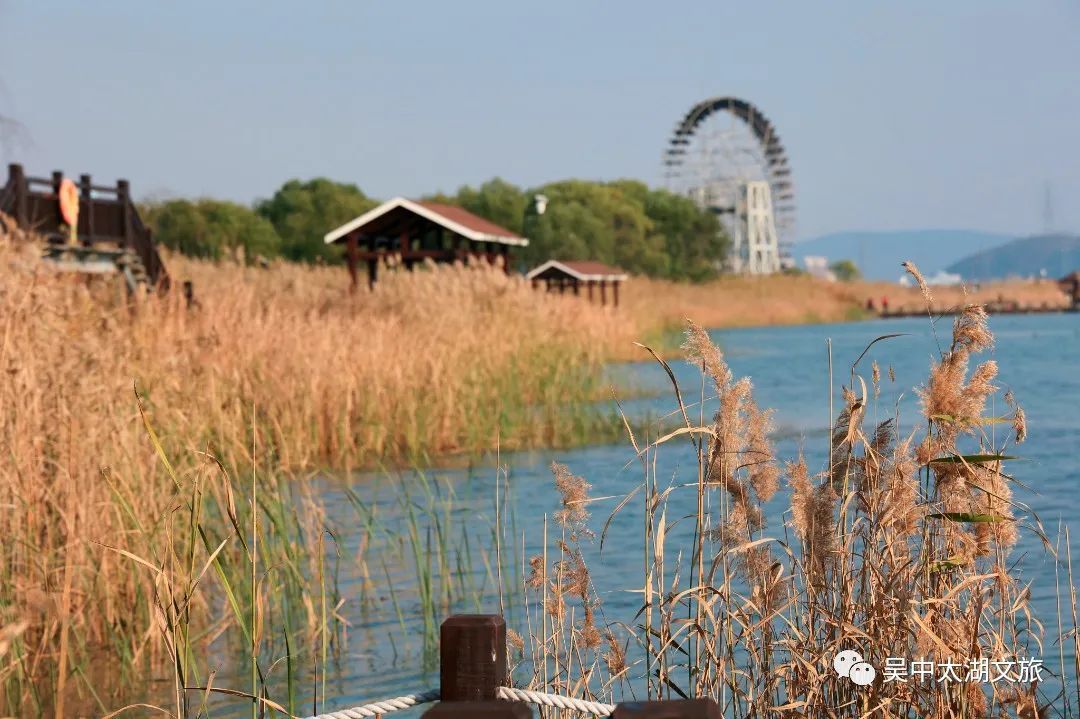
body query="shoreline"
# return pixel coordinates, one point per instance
(658, 306)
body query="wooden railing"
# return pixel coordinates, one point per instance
(107, 216)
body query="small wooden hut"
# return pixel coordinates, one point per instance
(563, 275)
(414, 231)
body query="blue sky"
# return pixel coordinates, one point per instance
(895, 115)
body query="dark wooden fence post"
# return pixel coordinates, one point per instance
(472, 665)
(123, 194)
(86, 209)
(18, 180)
(57, 178)
(678, 709)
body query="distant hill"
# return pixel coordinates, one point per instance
(882, 252)
(1058, 255)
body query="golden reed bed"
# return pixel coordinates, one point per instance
(277, 368)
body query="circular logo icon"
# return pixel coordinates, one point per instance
(862, 674)
(843, 661)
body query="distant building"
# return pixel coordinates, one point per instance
(818, 266)
(940, 278)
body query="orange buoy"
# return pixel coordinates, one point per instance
(69, 206)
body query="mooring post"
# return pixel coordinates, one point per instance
(677, 709)
(472, 657)
(472, 666)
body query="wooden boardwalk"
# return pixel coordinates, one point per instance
(109, 228)
(992, 308)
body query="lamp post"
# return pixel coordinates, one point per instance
(536, 207)
(533, 210)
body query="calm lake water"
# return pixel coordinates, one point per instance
(385, 656)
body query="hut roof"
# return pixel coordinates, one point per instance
(455, 219)
(582, 270)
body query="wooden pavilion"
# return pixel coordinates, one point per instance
(562, 275)
(414, 231)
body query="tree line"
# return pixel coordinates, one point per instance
(625, 223)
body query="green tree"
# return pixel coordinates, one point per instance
(213, 229)
(593, 221)
(845, 270)
(497, 201)
(694, 239)
(303, 212)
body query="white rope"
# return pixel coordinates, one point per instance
(383, 707)
(554, 700)
(507, 693)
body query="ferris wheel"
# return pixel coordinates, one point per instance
(727, 156)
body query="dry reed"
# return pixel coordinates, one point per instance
(899, 548)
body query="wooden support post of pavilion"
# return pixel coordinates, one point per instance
(350, 259)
